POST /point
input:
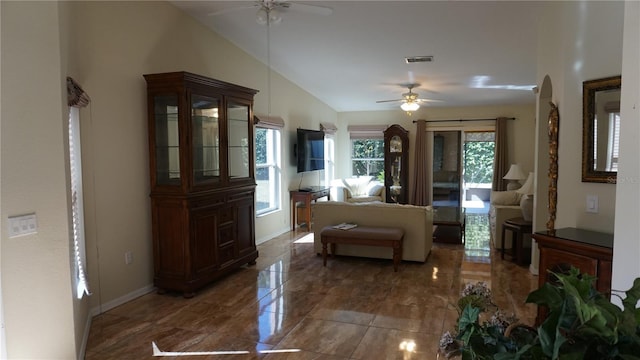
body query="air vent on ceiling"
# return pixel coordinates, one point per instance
(418, 59)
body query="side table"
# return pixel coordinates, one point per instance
(518, 227)
(306, 196)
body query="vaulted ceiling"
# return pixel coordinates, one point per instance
(484, 53)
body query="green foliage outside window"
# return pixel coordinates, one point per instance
(367, 156)
(478, 157)
(261, 146)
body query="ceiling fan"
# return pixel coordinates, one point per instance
(269, 10)
(410, 101)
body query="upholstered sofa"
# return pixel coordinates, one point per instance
(357, 189)
(503, 205)
(417, 222)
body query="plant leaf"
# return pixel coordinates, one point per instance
(547, 295)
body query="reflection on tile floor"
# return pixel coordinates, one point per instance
(352, 309)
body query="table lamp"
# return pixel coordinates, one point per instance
(514, 175)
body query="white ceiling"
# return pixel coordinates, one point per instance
(484, 52)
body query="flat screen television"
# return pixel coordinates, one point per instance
(310, 150)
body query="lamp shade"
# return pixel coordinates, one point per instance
(514, 173)
(527, 187)
(410, 106)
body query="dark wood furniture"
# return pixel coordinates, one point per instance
(589, 251)
(306, 196)
(363, 235)
(518, 227)
(396, 164)
(450, 222)
(201, 147)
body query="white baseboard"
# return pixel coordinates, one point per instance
(271, 236)
(121, 300)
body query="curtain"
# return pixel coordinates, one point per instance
(76, 97)
(328, 128)
(268, 122)
(420, 183)
(366, 131)
(501, 160)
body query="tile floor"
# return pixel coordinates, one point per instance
(352, 309)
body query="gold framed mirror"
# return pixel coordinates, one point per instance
(600, 129)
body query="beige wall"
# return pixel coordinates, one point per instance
(38, 297)
(574, 47)
(626, 249)
(588, 51)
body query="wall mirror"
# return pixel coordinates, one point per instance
(600, 129)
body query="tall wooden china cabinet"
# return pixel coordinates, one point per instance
(202, 179)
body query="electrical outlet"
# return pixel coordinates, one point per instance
(128, 257)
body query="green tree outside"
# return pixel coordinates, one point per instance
(478, 161)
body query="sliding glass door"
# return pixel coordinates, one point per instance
(463, 168)
(447, 168)
(479, 149)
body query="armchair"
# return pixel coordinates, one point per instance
(360, 189)
(503, 205)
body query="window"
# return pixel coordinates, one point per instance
(267, 170)
(367, 150)
(367, 157)
(329, 158)
(614, 141)
(329, 151)
(77, 207)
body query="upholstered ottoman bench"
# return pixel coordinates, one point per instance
(363, 235)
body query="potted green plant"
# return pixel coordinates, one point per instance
(581, 324)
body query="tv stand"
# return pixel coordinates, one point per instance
(306, 195)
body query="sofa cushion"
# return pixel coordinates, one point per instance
(375, 189)
(510, 197)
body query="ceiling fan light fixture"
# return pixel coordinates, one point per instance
(410, 106)
(262, 16)
(266, 16)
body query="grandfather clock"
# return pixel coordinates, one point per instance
(396, 167)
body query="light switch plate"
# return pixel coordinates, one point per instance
(592, 204)
(22, 225)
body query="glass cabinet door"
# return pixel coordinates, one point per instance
(205, 139)
(395, 152)
(167, 144)
(238, 132)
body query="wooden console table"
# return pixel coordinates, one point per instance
(306, 196)
(589, 251)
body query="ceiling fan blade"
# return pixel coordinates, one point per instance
(428, 100)
(385, 101)
(311, 9)
(233, 9)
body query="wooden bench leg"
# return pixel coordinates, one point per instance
(397, 247)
